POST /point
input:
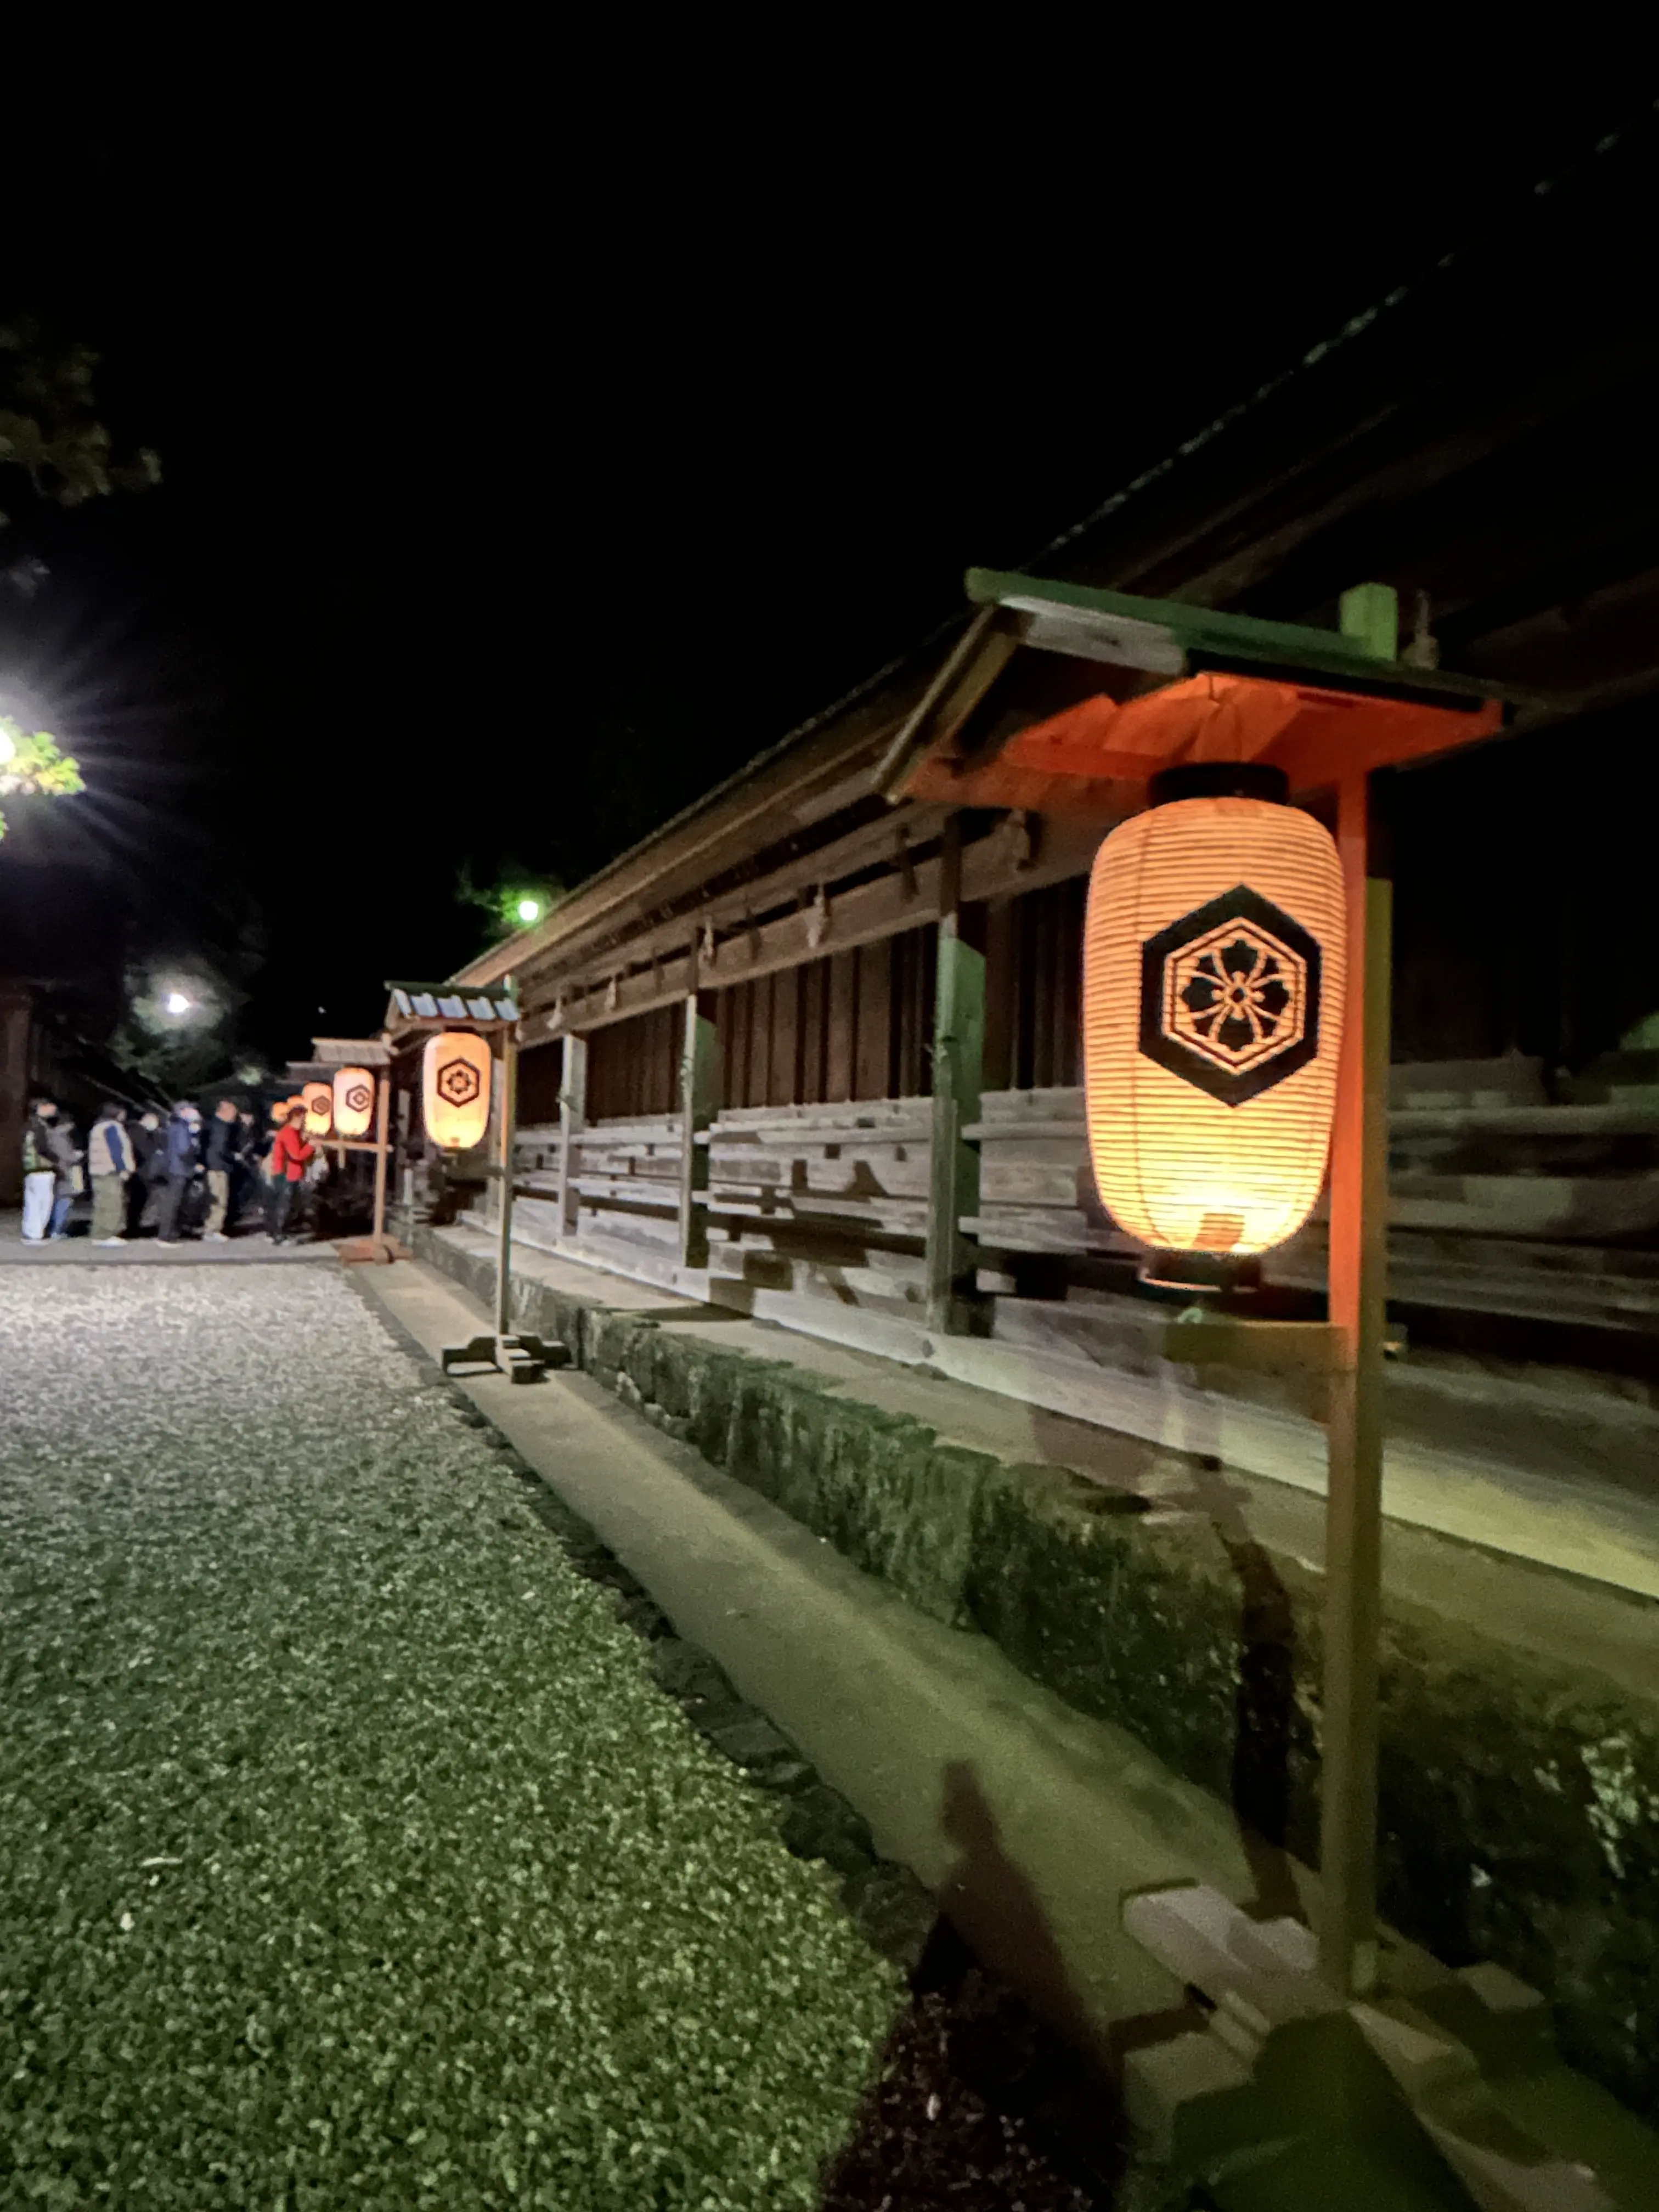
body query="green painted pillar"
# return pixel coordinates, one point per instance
(573, 1120)
(958, 1078)
(700, 1069)
(1369, 615)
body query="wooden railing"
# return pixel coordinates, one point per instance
(830, 1201)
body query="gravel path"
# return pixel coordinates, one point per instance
(349, 1856)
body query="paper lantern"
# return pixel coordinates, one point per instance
(1214, 975)
(455, 1089)
(354, 1102)
(319, 1101)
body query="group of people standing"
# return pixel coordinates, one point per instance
(130, 1165)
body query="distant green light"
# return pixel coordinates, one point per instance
(530, 910)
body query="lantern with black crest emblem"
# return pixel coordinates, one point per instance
(1214, 977)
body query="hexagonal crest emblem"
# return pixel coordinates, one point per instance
(359, 1098)
(1229, 996)
(458, 1082)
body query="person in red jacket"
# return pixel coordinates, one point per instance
(291, 1153)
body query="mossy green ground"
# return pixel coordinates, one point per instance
(349, 1856)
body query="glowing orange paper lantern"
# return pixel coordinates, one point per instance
(319, 1101)
(1213, 980)
(455, 1089)
(354, 1100)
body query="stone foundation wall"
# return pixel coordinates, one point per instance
(1520, 1797)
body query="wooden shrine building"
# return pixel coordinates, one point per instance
(744, 1068)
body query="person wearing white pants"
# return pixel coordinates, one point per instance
(37, 1205)
(39, 1172)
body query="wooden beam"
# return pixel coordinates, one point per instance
(906, 897)
(784, 887)
(974, 663)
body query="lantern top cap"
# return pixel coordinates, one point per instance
(1220, 779)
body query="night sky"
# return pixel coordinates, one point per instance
(533, 457)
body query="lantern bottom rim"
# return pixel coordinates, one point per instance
(1214, 1273)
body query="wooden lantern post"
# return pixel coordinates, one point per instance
(1326, 709)
(521, 1358)
(382, 1144)
(1331, 713)
(377, 1245)
(507, 1113)
(1358, 1267)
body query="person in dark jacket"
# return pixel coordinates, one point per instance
(39, 1170)
(66, 1158)
(219, 1151)
(181, 1163)
(245, 1177)
(147, 1155)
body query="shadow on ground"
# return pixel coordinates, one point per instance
(995, 2087)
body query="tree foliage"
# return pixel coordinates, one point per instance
(32, 764)
(500, 899)
(50, 425)
(52, 431)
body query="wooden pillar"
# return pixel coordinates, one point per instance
(17, 1015)
(509, 1133)
(699, 1077)
(1353, 1515)
(958, 1076)
(573, 1120)
(382, 1117)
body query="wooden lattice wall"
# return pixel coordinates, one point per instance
(634, 1067)
(540, 1069)
(855, 1025)
(1034, 988)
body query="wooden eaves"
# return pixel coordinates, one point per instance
(1144, 675)
(797, 857)
(833, 839)
(413, 1009)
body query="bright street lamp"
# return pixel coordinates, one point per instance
(530, 910)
